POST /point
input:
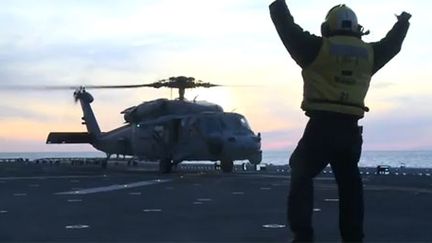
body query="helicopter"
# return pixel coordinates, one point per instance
(168, 131)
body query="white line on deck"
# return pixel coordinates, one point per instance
(112, 187)
(74, 200)
(204, 200)
(237, 193)
(331, 200)
(135, 193)
(149, 210)
(274, 226)
(78, 226)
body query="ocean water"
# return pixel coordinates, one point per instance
(411, 159)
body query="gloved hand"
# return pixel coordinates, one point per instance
(404, 16)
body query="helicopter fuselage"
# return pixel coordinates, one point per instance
(208, 136)
(170, 131)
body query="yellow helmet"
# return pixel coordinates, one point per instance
(340, 19)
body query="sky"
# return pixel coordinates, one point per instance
(229, 42)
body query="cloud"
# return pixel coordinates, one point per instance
(11, 144)
(13, 112)
(285, 139)
(227, 42)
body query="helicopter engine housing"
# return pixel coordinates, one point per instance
(164, 107)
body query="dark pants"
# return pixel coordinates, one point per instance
(327, 140)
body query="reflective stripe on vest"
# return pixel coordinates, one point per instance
(338, 79)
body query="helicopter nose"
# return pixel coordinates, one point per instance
(244, 141)
(243, 144)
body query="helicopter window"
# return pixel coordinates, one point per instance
(159, 129)
(236, 122)
(244, 123)
(211, 124)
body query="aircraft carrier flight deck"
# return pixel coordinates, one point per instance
(52, 201)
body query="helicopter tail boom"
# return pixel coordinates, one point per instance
(88, 118)
(68, 137)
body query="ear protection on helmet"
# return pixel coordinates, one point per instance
(325, 29)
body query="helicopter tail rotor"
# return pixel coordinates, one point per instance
(75, 95)
(80, 94)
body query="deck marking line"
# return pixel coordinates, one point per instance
(204, 200)
(331, 200)
(237, 193)
(112, 187)
(78, 226)
(274, 226)
(74, 200)
(135, 193)
(149, 210)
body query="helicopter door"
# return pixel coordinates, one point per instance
(186, 129)
(171, 134)
(161, 135)
(166, 137)
(176, 131)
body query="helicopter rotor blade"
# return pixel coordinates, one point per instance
(117, 86)
(180, 82)
(37, 87)
(158, 84)
(68, 87)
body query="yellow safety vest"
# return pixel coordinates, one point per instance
(338, 79)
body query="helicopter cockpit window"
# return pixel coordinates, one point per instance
(244, 123)
(237, 123)
(211, 124)
(158, 131)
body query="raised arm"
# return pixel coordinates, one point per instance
(302, 46)
(390, 45)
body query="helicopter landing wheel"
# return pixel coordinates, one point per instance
(165, 166)
(104, 163)
(227, 165)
